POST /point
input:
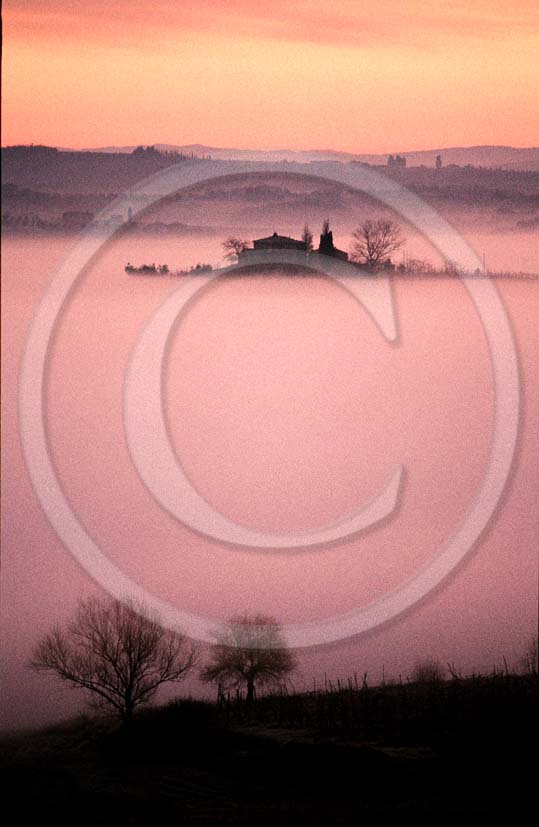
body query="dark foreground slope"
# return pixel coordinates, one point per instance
(445, 750)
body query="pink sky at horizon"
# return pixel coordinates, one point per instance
(363, 77)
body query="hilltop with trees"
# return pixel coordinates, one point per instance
(344, 749)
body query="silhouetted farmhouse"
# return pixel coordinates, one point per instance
(278, 242)
(285, 242)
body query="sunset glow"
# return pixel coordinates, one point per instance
(370, 77)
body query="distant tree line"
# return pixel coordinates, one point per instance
(172, 154)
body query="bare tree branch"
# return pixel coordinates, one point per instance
(234, 246)
(249, 651)
(116, 652)
(374, 241)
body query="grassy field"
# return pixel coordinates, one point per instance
(443, 748)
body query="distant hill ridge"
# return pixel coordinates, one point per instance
(508, 157)
(82, 173)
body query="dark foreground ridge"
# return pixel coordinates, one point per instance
(443, 748)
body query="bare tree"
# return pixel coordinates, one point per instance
(234, 246)
(307, 238)
(418, 265)
(249, 651)
(117, 653)
(374, 241)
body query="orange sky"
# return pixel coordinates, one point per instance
(371, 76)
